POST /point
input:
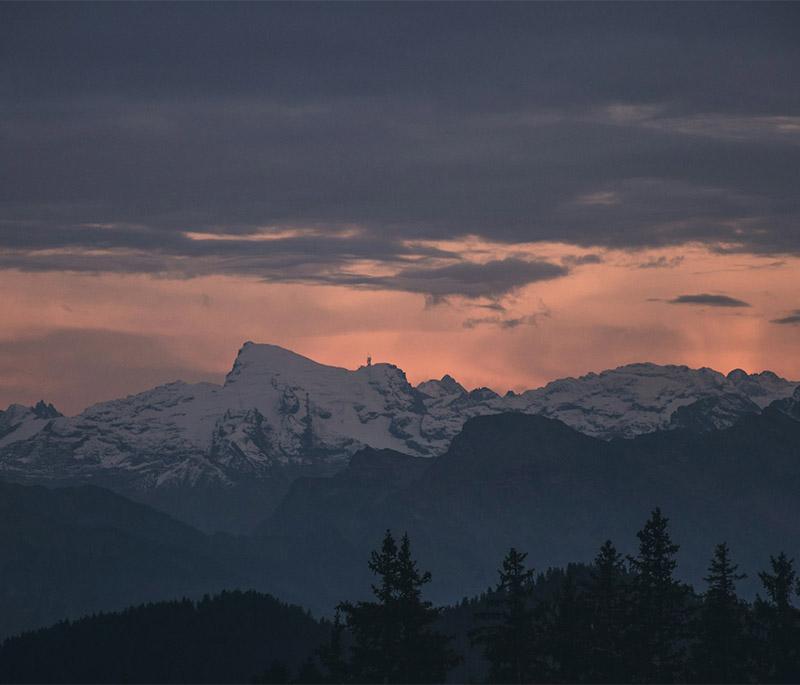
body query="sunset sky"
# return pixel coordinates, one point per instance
(508, 193)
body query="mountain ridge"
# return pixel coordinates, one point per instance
(279, 415)
(541, 486)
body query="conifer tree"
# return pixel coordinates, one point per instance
(720, 653)
(331, 654)
(780, 662)
(509, 643)
(567, 628)
(394, 638)
(607, 622)
(426, 655)
(659, 605)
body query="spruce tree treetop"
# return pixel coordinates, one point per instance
(659, 611)
(510, 640)
(780, 621)
(409, 580)
(719, 653)
(394, 640)
(780, 584)
(515, 579)
(608, 564)
(383, 564)
(608, 620)
(722, 577)
(656, 560)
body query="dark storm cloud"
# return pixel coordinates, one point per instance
(475, 280)
(709, 300)
(792, 320)
(612, 126)
(491, 279)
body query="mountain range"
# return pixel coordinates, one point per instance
(505, 478)
(539, 485)
(222, 456)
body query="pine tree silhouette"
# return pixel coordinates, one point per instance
(394, 638)
(509, 643)
(720, 654)
(659, 602)
(607, 601)
(331, 654)
(780, 655)
(568, 632)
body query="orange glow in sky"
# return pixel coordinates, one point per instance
(75, 339)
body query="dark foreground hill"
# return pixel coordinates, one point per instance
(233, 637)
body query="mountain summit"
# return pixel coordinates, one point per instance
(279, 413)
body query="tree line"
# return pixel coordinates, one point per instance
(619, 619)
(624, 619)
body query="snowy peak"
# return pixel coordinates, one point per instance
(255, 362)
(279, 409)
(737, 376)
(762, 388)
(447, 385)
(640, 398)
(19, 422)
(713, 412)
(42, 410)
(789, 405)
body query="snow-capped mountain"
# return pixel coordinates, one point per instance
(24, 421)
(641, 398)
(279, 409)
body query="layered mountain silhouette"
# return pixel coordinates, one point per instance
(537, 484)
(506, 479)
(67, 552)
(223, 456)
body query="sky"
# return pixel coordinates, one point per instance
(508, 193)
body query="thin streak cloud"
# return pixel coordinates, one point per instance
(791, 320)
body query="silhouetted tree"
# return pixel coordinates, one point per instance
(607, 605)
(509, 643)
(568, 629)
(720, 653)
(659, 602)
(604, 623)
(394, 639)
(331, 654)
(778, 619)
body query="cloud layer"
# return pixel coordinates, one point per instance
(355, 134)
